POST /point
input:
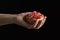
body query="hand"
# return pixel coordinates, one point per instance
(21, 22)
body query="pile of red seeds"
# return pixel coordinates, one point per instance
(32, 17)
(35, 15)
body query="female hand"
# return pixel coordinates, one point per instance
(21, 22)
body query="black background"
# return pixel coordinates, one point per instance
(16, 7)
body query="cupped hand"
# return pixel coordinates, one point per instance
(21, 22)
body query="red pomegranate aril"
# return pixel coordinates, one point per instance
(31, 18)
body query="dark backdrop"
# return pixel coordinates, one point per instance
(16, 7)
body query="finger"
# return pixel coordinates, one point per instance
(41, 24)
(31, 26)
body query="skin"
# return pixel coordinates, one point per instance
(7, 19)
(16, 19)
